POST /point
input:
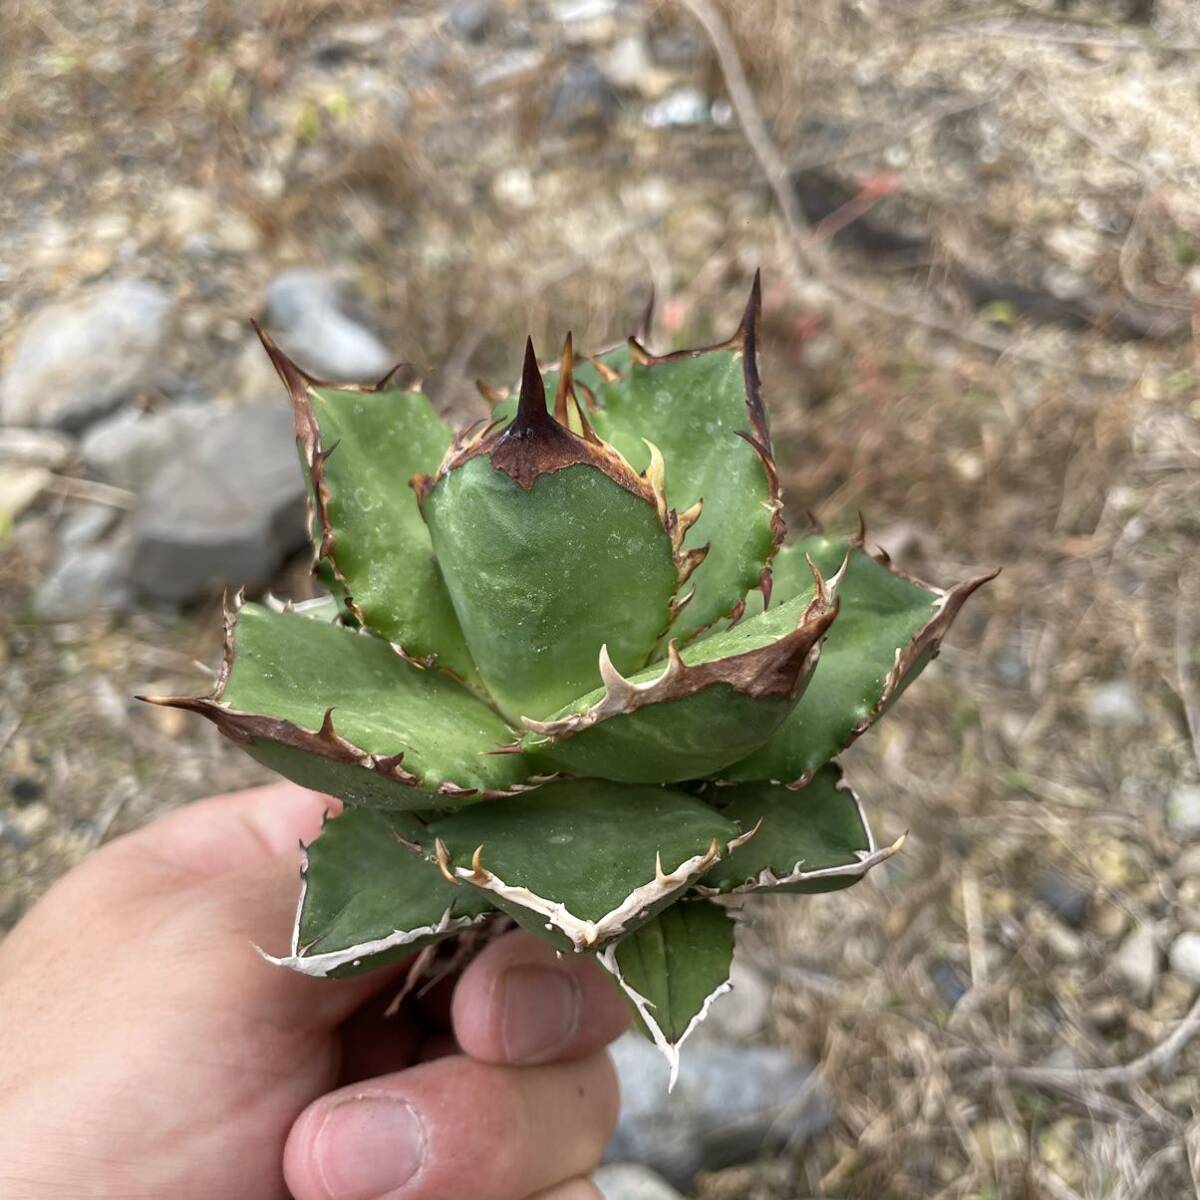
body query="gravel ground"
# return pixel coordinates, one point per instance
(983, 1008)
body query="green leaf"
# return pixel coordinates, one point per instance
(341, 711)
(361, 446)
(582, 862)
(672, 969)
(704, 412)
(815, 839)
(370, 898)
(542, 578)
(706, 707)
(888, 629)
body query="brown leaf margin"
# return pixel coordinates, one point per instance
(246, 728)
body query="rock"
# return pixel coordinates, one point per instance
(629, 66)
(583, 100)
(35, 448)
(1064, 943)
(86, 525)
(684, 106)
(1187, 865)
(320, 323)
(631, 1181)
(1109, 920)
(1115, 703)
(741, 1014)
(730, 1103)
(1183, 810)
(472, 20)
(587, 22)
(227, 510)
(78, 360)
(1137, 960)
(1067, 898)
(129, 448)
(949, 981)
(1184, 957)
(85, 582)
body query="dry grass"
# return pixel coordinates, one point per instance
(470, 223)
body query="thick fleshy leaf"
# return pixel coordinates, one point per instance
(551, 546)
(814, 839)
(672, 969)
(583, 862)
(703, 410)
(342, 711)
(370, 897)
(706, 707)
(361, 446)
(889, 627)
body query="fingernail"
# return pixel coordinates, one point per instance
(539, 1012)
(368, 1146)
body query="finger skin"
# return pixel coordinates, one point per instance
(505, 1010)
(488, 1132)
(146, 1049)
(230, 832)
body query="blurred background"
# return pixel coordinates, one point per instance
(979, 229)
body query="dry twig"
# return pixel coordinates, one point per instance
(1083, 1079)
(809, 252)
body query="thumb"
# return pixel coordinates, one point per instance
(242, 915)
(223, 875)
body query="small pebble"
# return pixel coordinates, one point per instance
(1137, 960)
(949, 981)
(25, 790)
(1067, 898)
(1185, 957)
(1183, 810)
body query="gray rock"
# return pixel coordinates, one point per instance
(78, 360)
(1184, 956)
(583, 100)
(228, 510)
(86, 525)
(84, 582)
(741, 1013)
(731, 1102)
(632, 1181)
(1115, 703)
(319, 322)
(472, 20)
(628, 64)
(949, 980)
(684, 106)
(1183, 810)
(129, 448)
(1137, 960)
(1067, 898)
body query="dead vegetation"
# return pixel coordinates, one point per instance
(977, 1044)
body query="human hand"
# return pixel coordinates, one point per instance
(147, 1051)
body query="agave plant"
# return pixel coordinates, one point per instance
(570, 670)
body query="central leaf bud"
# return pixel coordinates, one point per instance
(551, 546)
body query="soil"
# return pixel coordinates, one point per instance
(1026, 173)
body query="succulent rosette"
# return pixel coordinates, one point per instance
(570, 670)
